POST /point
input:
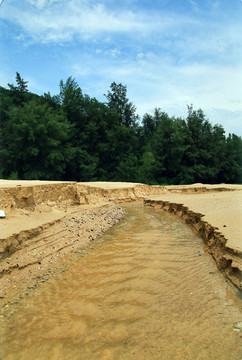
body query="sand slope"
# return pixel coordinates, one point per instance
(222, 210)
(45, 220)
(216, 216)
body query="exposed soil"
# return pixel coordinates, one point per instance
(216, 218)
(47, 220)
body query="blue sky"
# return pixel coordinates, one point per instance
(169, 53)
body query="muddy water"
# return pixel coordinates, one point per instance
(146, 290)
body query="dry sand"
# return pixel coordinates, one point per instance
(45, 220)
(222, 210)
(216, 216)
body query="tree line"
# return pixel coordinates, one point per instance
(71, 136)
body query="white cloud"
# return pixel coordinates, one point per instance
(166, 59)
(215, 89)
(60, 21)
(63, 20)
(40, 4)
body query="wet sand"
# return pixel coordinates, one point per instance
(145, 290)
(46, 220)
(216, 217)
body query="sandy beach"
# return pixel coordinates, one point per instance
(47, 220)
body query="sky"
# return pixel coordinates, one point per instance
(169, 53)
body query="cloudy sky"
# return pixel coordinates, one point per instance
(169, 53)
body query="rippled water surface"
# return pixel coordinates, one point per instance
(146, 290)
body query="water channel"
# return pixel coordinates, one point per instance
(145, 290)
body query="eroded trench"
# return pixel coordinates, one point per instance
(147, 289)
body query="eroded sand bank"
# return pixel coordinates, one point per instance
(216, 216)
(46, 220)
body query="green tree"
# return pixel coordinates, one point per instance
(217, 148)
(168, 146)
(231, 171)
(70, 96)
(127, 168)
(198, 151)
(35, 142)
(21, 84)
(19, 92)
(71, 136)
(118, 102)
(149, 126)
(147, 169)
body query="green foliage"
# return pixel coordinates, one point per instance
(22, 86)
(148, 167)
(35, 142)
(13, 176)
(119, 103)
(19, 92)
(70, 136)
(232, 165)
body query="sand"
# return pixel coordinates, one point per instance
(46, 220)
(216, 217)
(222, 210)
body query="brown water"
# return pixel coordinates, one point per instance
(146, 290)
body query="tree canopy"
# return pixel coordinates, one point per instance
(71, 136)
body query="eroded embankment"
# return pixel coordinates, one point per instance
(64, 194)
(32, 209)
(31, 196)
(227, 259)
(45, 221)
(31, 252)
(93, 193)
